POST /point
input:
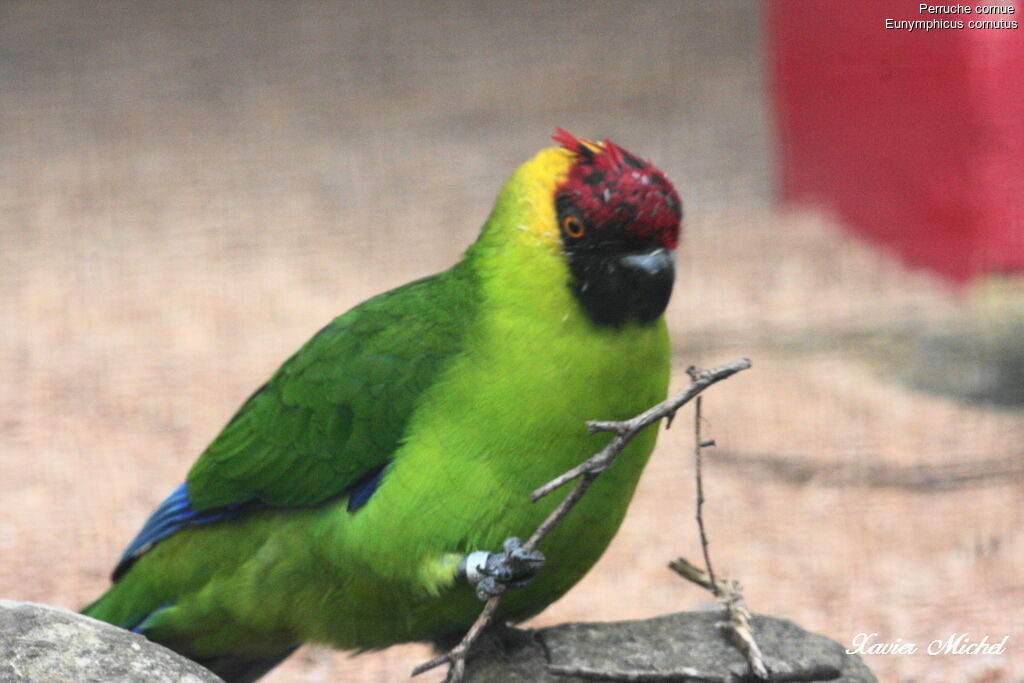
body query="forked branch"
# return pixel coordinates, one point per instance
(728, 591)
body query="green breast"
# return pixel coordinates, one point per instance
(507, 416)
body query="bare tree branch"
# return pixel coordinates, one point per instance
(586, 472)
(728, 591)
(698, 445)
(627, 429)
(738, 626)
(456, 657)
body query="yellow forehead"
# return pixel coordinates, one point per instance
(537, 180)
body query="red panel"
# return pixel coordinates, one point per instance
(915, 138)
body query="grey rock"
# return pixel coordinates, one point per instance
(44, 644)
(687, 642)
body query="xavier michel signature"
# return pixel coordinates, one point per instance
(955, 644)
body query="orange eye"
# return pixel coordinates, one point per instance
(573, 227)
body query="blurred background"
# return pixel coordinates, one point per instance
(189, 190)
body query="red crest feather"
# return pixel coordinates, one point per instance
(608, 183)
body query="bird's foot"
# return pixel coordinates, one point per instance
(494, 573)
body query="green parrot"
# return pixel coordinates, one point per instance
(372, 491)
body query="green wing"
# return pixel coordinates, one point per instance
(338, 407)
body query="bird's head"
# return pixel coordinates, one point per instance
(618, 221)
(608, 221)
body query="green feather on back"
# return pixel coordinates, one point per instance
(339, 406)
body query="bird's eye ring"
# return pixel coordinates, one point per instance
(573, 227)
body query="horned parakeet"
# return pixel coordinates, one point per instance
(340, 503)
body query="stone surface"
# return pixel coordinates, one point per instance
(687, 641)
(44, 644)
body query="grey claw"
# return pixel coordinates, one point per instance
(489, 588)
(512, 568)
(512, 543)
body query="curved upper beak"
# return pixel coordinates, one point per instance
(649, 276)
(656, 263)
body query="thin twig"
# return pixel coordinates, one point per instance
(728, 591)
(456, 657)
(702, 379)
(586, 472)
(738, 626)
(697, 447)
(695, 574)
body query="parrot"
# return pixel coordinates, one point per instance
(374, 489)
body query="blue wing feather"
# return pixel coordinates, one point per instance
(175, 513)
(363, 489)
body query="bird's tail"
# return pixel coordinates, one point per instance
(124, 607)
(134, 610)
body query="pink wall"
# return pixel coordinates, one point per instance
(915, 138)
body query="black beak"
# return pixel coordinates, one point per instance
(649, 277)
(618, 288)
